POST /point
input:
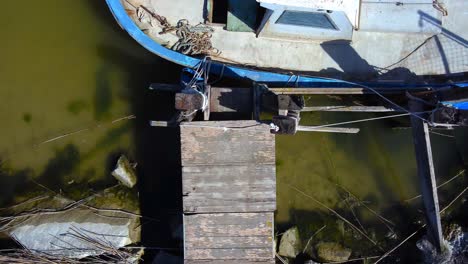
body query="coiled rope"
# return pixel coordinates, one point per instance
(193, 40)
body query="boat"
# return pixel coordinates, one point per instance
(387, 46)
(300, 42)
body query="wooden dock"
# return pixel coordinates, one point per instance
(229, 192)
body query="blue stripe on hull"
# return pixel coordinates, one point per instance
(217, 68)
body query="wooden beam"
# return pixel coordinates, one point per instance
(426, 174)
(344, 130)
(343, 90)
(345, 108)
(226, 143)
(241, 188)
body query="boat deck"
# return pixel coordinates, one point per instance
(229, 192)
(367, 53)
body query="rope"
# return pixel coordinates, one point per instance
(201, 69)
(193, 40)
(380, 95)
(440, 7)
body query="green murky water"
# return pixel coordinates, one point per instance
(367, 178)
(68, 70)
(65, 68)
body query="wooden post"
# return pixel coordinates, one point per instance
(426, 174)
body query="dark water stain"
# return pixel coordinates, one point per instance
(76, 106)
(27, 117)
(12, 182)
(64, 161)
(279, 163)
(112, 136)
(102, 93)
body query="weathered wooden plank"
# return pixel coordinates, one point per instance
(220, 206)
(227, 261)
(230, 253)
(221, 242)
(231, 100)
(242, 188)
(228, 224)
(229, 236)
(241, 176)
(226, 142)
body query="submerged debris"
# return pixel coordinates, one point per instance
(124, 172)
(455, 251)
(332, 252)
(290, 244)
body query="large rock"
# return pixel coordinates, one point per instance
(67, 232)
(124, 172)
(290, 244)
(332, 252)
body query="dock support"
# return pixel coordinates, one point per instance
(426, 174)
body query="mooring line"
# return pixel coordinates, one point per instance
(129, 117)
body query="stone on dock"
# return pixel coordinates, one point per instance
(124, 172)
(332, 252)
(290, 244)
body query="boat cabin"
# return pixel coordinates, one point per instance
(352, 36)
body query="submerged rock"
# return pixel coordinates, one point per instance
(124, 172)
(57, 234)
(290, 244)
(332, 252)
(72, 229)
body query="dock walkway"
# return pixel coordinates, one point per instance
(229, 192)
